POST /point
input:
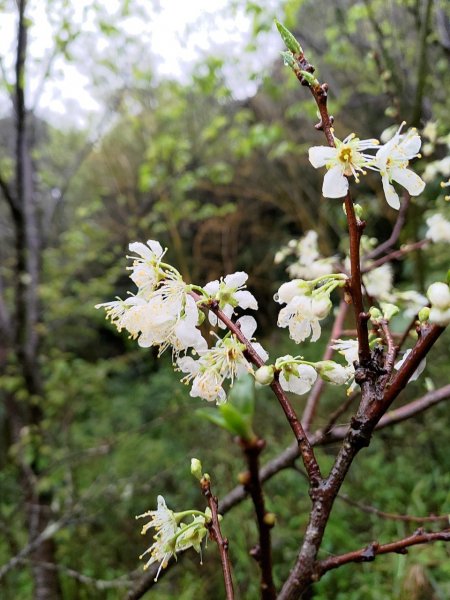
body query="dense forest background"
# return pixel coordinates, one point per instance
(93, 427)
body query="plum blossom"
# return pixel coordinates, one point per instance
(438, 229)
(392, 160)
(378, 282)
(345, 159)
(145, 270)
(171, 536)
(224, 361)
(165, 524)
(349, 350)
(294, 377)
(333, 372)
(229, 294)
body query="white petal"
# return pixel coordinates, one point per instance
(391, 195)
(411, 145)
(141, 249)
(320, 155)
(236, 280)
(247, 325)
(409, 180)
(335, 184)
(246, 300)
(188, 365)
(212, 287)
(316, 331)
(155, 247)
(260, 351)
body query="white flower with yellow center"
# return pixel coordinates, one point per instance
(392, 160)
(347, 158)
(225, 360)
(302, 315)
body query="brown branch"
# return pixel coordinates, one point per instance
(287, 458)
(263, 552)
(370, 552)
(394, 516)
(216, 534)
(395, 255)
(314, 396)
(391, 348)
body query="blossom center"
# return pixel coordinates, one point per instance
(345, 154)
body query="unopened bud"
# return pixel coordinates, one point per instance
(196, 468)
(389, 310)
(289, 40)
(375, 313)
(424, 314)
(312, 81)
(264, 375)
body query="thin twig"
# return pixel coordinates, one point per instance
(395, 255)
(216, 534)
(370, 552)
(263, 552)
(394, 516)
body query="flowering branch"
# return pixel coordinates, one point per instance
(214, 529)
(307, 453)
(370, 552)
(263, 552)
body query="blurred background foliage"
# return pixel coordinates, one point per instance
(209, 175)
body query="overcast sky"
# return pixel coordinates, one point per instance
(177, 34)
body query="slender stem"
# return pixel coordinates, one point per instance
(395, 255)
(370, 552)
(394, 516)
(263, 552)
(216, 534)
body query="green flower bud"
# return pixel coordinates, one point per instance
(196, 468)
(375, 313)
(288, 38)
(424, 314)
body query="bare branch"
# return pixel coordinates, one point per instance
(370, 552)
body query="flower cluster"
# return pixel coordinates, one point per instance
(349, 158)
(224, 361)
(438, 228)
(309, 264)
(306, 305)
(165, 312)
(172, 535)
(162, 313)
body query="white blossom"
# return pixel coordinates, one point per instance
(346, 159)
(392, 161)
(302, 315)
(224, 361)
(164, 522)
(293, 377)
(398, 365)
(349, 350)
(145, 270)
(438, 229)
(230, 294)
(439, 295)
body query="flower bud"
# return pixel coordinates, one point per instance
(375, 313)
(321, 307)
(424, 314)
(264, 375)
(389, 310)
(196, 468)
(439, 295)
